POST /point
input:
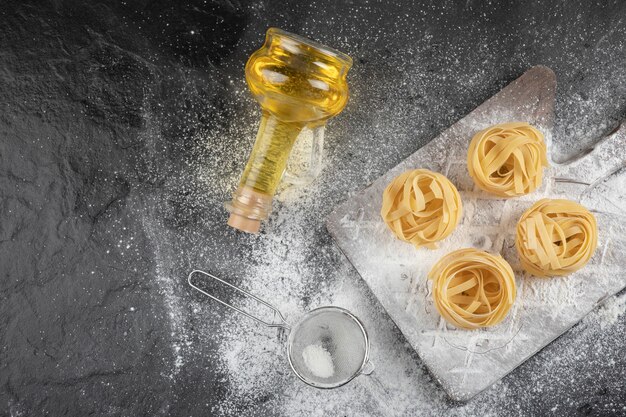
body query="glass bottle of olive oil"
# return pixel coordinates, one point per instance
(298, 83)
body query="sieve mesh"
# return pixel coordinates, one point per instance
(340, 334)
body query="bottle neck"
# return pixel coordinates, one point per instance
(252, 201)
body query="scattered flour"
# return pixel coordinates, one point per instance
(608, 313)
(287, 274)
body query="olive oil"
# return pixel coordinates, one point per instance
(269, 156)
(298, 84)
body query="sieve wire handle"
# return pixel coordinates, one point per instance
(283, 323)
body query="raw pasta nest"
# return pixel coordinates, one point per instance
(507, 159)
(473, 288)
(421, 207)
(556, 237)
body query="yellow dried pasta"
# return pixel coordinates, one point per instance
(473, 288)
(507, 159)
(556, 237)
(421, 207)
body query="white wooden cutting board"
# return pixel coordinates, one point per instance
(466, 362)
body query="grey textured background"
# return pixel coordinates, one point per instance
(123, 128)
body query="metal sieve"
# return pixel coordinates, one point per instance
(332, 331)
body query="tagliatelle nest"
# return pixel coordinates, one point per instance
(421, 207)
(473, 288)
(556, 237)
(507, 159)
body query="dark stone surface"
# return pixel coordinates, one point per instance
(109, 110)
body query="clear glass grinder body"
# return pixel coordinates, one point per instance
(299, 84)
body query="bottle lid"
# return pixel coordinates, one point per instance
(244, 224)
(248, 208)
